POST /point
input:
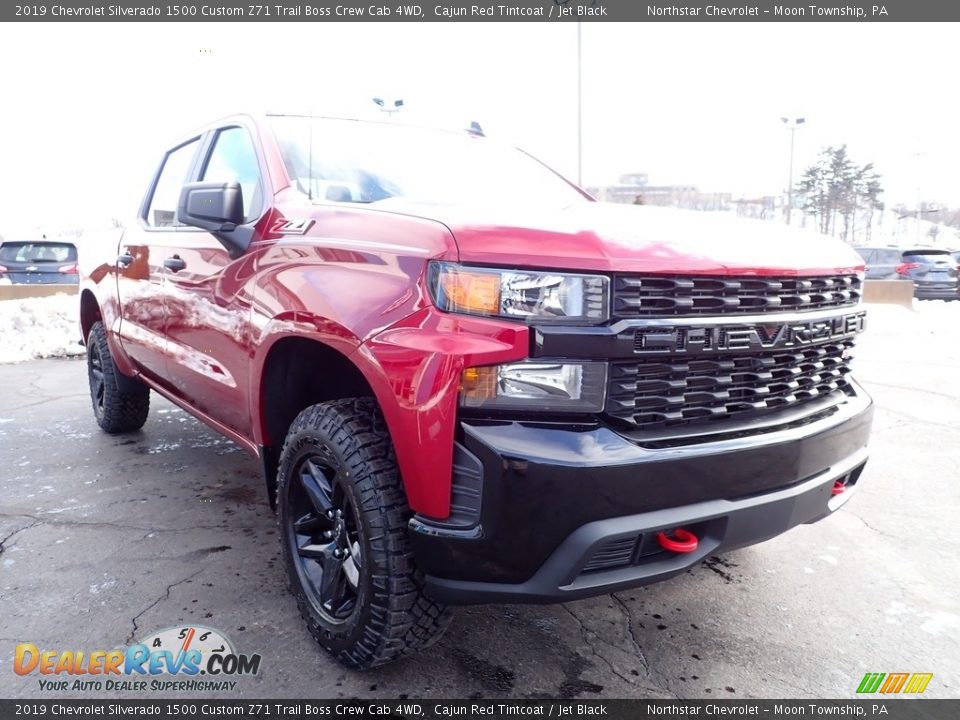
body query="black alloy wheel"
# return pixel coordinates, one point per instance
(98, 385)
(322, 532)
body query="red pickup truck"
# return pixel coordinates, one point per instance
(465, 379)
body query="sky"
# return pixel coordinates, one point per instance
(89, 108)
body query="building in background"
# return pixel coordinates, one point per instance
(634, 189)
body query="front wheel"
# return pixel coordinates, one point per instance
(342, 516)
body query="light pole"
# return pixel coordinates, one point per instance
(792, 124)
(579, 111)
(389, 109)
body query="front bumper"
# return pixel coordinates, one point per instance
(551, 512)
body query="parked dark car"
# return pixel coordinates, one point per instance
(933, 272)
(881, 262)
(39, 262)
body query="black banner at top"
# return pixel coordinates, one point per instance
(482, 11)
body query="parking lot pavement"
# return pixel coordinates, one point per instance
(108, 539)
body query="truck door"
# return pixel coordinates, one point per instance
(208, 296)
(143, 249)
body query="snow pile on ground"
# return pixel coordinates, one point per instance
(39, 328)
(926, 316)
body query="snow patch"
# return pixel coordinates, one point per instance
(937, 622)
(39, 328)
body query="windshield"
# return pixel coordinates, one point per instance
(38, 252)
(364, 162)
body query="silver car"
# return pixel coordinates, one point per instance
(881, 262)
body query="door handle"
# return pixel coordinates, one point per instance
(174, 264)
(125, 259)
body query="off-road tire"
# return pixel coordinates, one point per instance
(391, 615)
(120, 403)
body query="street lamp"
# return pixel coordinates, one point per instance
(792, 124)
(579, 108)
(389, 109)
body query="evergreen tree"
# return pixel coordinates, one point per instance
(835, 187)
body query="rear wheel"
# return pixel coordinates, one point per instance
(120, 404)
(343, 519)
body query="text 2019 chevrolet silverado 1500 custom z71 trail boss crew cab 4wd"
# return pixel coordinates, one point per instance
(466, 380)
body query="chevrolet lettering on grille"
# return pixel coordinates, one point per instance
(692, 340)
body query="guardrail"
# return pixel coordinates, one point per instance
(897, 292)
(22, 292)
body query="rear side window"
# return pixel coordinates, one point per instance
(927, 258)
(866, 253)
(889, 257)
(38, 252)
(163, 205)
(234, 159)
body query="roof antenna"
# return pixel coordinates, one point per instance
(475, 129)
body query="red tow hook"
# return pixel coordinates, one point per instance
(838, 488)
(683, 541)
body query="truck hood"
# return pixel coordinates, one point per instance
(628, 238)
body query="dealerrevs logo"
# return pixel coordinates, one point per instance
(171, 659)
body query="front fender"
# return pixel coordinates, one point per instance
(414, 369)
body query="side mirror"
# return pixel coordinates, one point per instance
(217, 208)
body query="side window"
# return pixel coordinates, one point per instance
(867, 255)
(234, 159)
(163, 205)
(891, 257)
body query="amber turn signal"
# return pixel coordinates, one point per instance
(478, 384)
(472, 292)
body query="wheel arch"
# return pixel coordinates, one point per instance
(295, 372)
(89, 313)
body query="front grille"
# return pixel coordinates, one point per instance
(662, 393)
(668, 295)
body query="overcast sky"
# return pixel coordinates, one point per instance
(88, 108)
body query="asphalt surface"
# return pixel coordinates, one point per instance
(107, 539)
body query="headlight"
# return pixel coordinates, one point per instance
(536, 386)
(522, 294)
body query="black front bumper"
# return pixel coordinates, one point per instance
(551, 512)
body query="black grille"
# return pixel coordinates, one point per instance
(644, 296)
(660, 394)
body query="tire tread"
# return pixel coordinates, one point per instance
(402, 618)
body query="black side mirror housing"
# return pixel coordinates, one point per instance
(217, 208)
